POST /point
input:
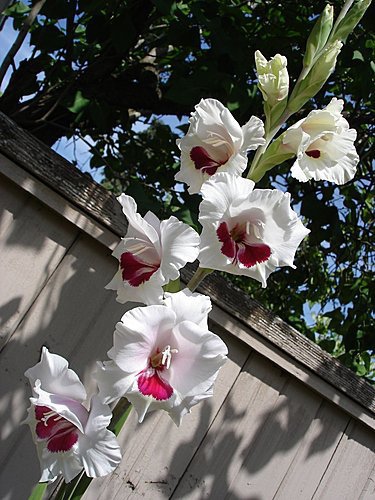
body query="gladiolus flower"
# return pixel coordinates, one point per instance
(216, 142)
(324, 145)
(68, 437)
(150, 255)
(247, 231)
(163, 357)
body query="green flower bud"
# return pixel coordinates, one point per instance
(316, 78)
(350, 21)
(318, 36)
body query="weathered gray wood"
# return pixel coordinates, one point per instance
(352, 464)
(314, 454)
(226, 322)
(93, 199)
(241, 419)
(156, 452)
(33, 240)
(74, 317)
(271, 451)
(59, 174)
(81, 220)
(368, 492)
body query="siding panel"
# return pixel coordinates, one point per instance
(240, 420)
(351, 465)
(314, 454)
(33, 240)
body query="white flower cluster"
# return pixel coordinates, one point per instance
(163, 355)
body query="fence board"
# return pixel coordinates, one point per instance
(156, 452)
(241, 418)
(33, 241)
(314, 454)
(270, 452)
(351, 466)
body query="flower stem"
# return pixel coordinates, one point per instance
(198, 277)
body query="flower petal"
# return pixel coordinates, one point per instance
(253, 134)
(136, 335)
(180, 244)
(189, 306)
(57, 378)
(151, 383)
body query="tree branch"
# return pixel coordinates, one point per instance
(20, 38)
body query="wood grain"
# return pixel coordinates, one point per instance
(33, 240)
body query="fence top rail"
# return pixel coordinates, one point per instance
(94, 200)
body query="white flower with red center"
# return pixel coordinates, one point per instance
(164, 357)
(68, 437)
(324, 145)
(247, 231)
(216, 142)
(151, 254)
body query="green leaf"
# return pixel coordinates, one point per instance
(173, 286)
(16, 8)
(358, 55)
(79, 103)
(38, 491)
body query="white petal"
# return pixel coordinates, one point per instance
(113, 382)
(180, 244)
(149, 292)
(100, 454)
(138, 226)
(220, 193)
(98, 448)
(137, 334)
(200, 355)
(253, 134)
(70, 409)
(189, 306)
(68, 464)
(213, 113)
(55, 376)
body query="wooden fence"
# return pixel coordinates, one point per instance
(287, 421)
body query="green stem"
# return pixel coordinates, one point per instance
(198, 277)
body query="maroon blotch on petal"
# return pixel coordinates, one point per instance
(314, 153)
(134, 270)
(203, 161)
(152, 384)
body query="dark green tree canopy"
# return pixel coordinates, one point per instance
(96, 67)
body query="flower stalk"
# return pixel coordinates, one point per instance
(199, 275)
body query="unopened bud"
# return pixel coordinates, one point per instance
(317, 77)
(318, 36)
(350, 20)
(273, 77)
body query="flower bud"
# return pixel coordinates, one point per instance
(273, 77)
(350, 20)
(318, 36)
(317, 77)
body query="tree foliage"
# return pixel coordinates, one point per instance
(96, 67)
